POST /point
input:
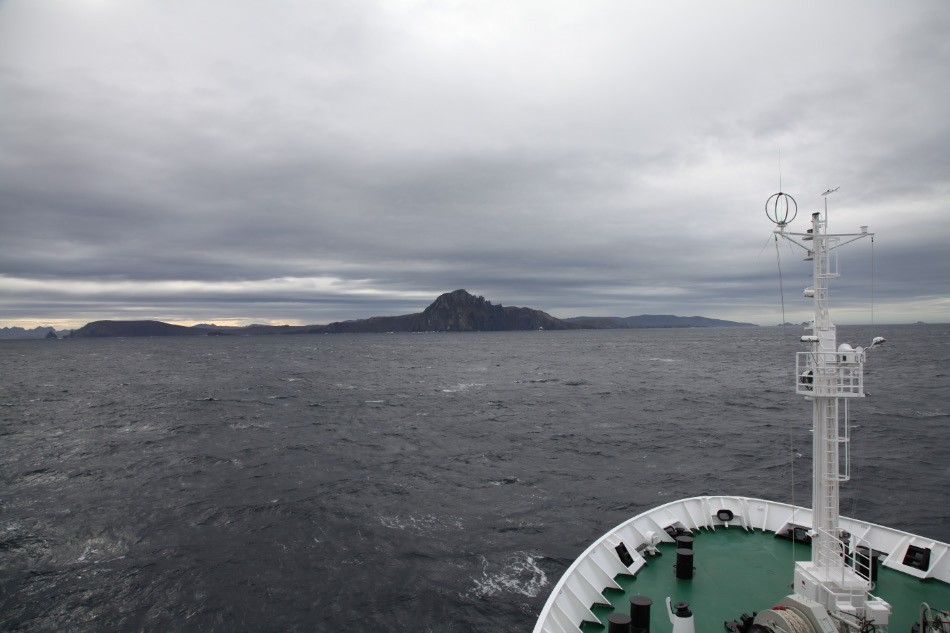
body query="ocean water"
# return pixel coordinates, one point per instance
(424, 482)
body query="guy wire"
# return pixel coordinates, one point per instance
(781, 289)
(872, 284)
(791, 440)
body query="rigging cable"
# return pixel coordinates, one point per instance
(781, 289)
(854, 499)
(791, 440)
(872, 284)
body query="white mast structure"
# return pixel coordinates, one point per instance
(828, 375)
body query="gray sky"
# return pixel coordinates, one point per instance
(298, 162)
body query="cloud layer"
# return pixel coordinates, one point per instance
(301, 162)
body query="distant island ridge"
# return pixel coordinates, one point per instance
(457, 311)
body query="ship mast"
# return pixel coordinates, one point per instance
(823, 363)
(828, 375)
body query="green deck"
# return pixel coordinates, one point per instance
(756, 570)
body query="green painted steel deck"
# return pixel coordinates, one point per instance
(740, 572)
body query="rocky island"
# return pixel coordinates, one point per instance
(457, 311)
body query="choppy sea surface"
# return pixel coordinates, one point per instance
(424, 482)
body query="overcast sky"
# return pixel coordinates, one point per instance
(239, 161)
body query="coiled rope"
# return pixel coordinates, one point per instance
(798, 623)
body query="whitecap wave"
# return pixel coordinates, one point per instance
(462, 386)
(517, 574)
(421, 524)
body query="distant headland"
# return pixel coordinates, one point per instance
(457, 311)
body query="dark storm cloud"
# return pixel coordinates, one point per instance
(303, 163)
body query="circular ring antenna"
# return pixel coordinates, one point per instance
(781, 208)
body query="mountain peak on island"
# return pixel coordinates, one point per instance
(460, 297)
(452, 305)
(461, 311)
(456, 311)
